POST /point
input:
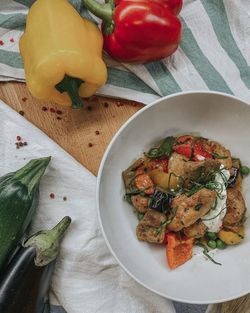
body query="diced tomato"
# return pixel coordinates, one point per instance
(184, 150)
(185, 139)
(183, 146)
(179, 249)
(202, 151)
(198, 150)
(144, 183)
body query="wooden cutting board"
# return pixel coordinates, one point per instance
(85, 134)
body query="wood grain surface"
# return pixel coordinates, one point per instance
(85, 134)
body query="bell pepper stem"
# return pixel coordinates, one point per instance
(47, 242)
(104, 11)
(71, 86)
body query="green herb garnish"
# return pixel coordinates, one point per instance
(133, 192)
(209, 219)
(218, 156)
(165, 149)
(128, 198)
(215, 204)
(140, 216)
(136, 191)
(205, 252)
(163, 225)
(198, 206)
(212, 218)
(211, 185)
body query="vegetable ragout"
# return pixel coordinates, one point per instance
(186, 191)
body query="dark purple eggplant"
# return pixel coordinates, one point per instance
(160, 201)
(25, 282)
(233, 178)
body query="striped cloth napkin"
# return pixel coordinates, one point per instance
(214, 53)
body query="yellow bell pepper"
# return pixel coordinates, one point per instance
(62, 53)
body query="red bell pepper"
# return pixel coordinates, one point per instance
(183, 146)
(139, 31)
(179, 249)
(196, 151)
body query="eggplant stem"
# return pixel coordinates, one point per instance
(47, 242)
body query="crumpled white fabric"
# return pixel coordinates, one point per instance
(87, 278)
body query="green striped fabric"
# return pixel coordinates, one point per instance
(214, 53)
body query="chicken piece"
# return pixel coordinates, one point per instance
(200, 171)
(190, 209)
(221, 151)
(140, 203)
(177, 163)
(234, 228)
(151, 228)
(197, 230)
(236, 209)
(129, 174)
(192, 170)
(153, 218)
(144, 183)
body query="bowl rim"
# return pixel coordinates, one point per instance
(101, 167)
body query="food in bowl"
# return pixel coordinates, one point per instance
(186, 191)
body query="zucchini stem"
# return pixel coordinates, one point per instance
(31, 174)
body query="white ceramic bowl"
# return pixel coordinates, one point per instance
(215, 115)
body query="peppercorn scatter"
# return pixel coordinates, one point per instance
(97, 132)
(52, 195)
(24, 99)
(106, 105)
(12, 40)
(58, 113)
(20, 143)
(90, 144)
(1, 43)
(21, 113)
(119, 104)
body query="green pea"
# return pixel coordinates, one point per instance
(245, 170)
(211, 235)
(220, 244)
(212, 244)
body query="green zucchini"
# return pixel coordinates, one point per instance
(18, 200)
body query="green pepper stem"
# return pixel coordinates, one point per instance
(71, 86)
(104, 11)
(47, 242)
